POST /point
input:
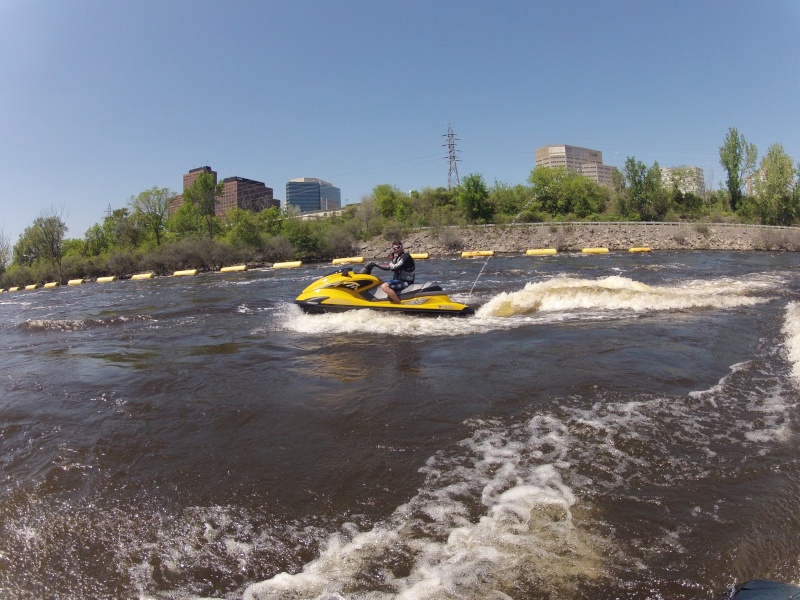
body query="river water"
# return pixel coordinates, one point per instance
(606, 426)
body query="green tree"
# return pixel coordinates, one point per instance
(510, 201)
(549, 188)
(242, 228)
(645, 195)
(271, 220)
(150, 207)
(186, 222)
(367, 216)
(5, 251)
(433, 207)
(774, 188)
(123, 229)
(680, 179)
(42, 241)
(305, 237)
(388, 198)
(560, 192)
(473, 198)
(96, 242)
(203, 194)
(586, 197)
(738, 158)
(119, 229)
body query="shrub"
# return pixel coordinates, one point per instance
(451, 238)
(703, 229)
(277, 249)
(122, 263)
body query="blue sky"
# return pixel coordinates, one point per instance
(102, 100)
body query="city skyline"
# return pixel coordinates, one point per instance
(147, 89)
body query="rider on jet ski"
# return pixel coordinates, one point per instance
(401, 263)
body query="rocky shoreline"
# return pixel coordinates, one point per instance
(573, 237)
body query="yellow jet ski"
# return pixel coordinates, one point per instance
(346, 289)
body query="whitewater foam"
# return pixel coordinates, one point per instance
(524, 531)
(791, 329)
(617, 293)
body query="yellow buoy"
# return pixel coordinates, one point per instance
(420, 255)
(640, 249)
(107, 279)
(32, 286)
(51, 284)
(138, 276)
(595, 250)
(185, 273)
(541, 251)
(474, 253)
(352, 259)
(75, 282)
(233, 269)
(287, 265)
(13, 289)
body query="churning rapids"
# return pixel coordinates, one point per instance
(613, 426)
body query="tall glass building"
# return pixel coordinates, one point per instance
(310, 194)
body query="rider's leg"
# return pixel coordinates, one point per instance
(393, 297)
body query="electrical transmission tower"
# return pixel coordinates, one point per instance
(452, 174)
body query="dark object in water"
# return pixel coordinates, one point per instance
(761, 589)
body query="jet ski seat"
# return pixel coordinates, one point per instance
(413, 291)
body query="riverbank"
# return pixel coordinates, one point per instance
(573, 237)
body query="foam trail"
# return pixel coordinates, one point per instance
(791, 328)
(619, 293)
(524, 531)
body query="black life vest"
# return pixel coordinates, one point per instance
(403, 267)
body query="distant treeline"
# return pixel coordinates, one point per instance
(143, 236)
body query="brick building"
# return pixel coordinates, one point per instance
(237, 192)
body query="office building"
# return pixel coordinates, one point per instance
(689, 180)
(310, 194)
(585, 161)
(237, 192)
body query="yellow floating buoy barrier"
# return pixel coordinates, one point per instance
(287, 265)
(233, 269)
(75, 282)
(639, 249)
(138, 276)
(185, 273)
(107, 279)
(541, 251)
(13, 289)
(474, 253)
(595, 250)
(51, 284)
(352, 259)
(420, 255)
(32, 286)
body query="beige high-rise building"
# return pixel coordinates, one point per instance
(690, 180)
(585, 161)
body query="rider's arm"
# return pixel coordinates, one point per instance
(396, 263)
